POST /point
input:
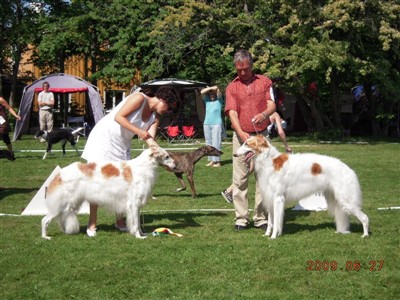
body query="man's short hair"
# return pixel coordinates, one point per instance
(242, 55)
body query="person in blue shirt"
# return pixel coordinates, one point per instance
(213, 123)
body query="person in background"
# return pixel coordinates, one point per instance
(5, 124)
(280, 126)
(213, 101)
(111, 138)
(46, 104)
(249, 104)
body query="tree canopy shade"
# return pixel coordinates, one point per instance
(59, 83)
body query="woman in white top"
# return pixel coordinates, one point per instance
(111, 138)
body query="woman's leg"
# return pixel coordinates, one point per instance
(216, 141)
(208, 137)
(91, 227)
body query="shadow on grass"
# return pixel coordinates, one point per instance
(185, 194)
(178, 220)
(8, 191)
(293, 228)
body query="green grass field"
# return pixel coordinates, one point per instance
(211, 260)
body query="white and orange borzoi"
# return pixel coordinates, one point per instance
(284, 178)
(122, 187)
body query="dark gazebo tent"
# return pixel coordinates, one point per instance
(59, 83)
(189, 98)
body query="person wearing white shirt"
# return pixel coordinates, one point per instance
(46, 104)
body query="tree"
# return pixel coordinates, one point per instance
(335, 44)
(18, 19)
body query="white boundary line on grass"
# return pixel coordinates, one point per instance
(9, 215)
(388, 208)
(73, 150)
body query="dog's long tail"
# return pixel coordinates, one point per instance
(69, 222)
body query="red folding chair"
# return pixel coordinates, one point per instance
(174, 134)
(188, 132)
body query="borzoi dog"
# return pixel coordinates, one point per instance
(62, 135)
(185, 162)
(122, 187)
(285, 178)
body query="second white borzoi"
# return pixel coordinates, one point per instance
(284, 178)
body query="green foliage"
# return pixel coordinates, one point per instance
(334, 134)
(211, 260)
(338, 44)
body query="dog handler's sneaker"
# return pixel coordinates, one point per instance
(227, 196)
(91, 232)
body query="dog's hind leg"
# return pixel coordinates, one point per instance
(76, 149)
(73, 143)
(359, 214)
(45, 223)
(363, 218)
(69, 222)
(180, 178)
(63, 146)
(340, 213)
(133, 221)
(351, 206)
(342, 220)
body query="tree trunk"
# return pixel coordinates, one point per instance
(315, 113)
(335, 100)
(14, 76)
(305, 111)
(61, 60)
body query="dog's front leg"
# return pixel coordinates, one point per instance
(191, 182)
(76, 149)
(180, 178)
(48, 150)
(270, 223)
(133, 220)
(279, 206)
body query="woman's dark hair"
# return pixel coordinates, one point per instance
(169, 95)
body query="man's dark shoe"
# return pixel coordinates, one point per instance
(262, 227)
(240, 227)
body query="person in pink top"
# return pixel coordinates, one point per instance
(248, 104)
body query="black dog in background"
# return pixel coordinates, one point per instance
(58, 135)
(7, 154)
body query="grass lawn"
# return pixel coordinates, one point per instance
(211, 260)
